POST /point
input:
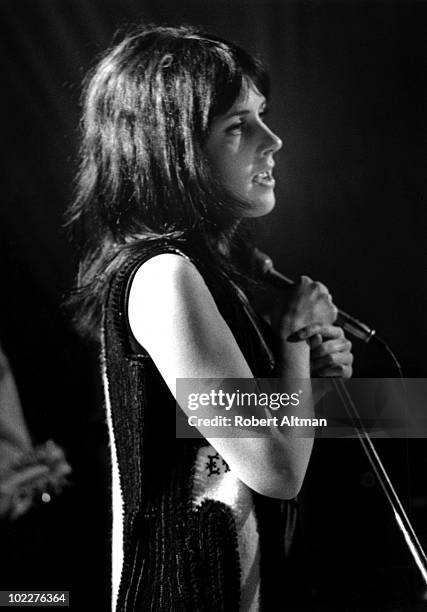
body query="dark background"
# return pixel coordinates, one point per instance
(349, 101)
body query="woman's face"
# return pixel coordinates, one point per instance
(240, 148)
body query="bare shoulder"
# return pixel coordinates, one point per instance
(166, 273)
(168, 286)
(172, 311)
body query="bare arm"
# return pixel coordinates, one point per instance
(173, 315)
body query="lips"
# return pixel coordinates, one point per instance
(264, 178)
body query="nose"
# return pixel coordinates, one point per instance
(271, 143)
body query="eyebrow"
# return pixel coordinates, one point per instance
(239, 113)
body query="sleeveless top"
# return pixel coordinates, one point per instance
(187, 533)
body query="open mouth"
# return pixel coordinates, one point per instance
(264, 178)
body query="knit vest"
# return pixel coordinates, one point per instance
(176, 558)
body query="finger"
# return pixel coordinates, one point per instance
(344, 371)
(331, 346)
(321, 288)
(315, 341)
(329, 332)
(308, 332)
(320, 295)
(305, 279)
(333, 312)
(326, 331)
(332, 360)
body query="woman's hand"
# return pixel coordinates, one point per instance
(330, 353)
(307, 309)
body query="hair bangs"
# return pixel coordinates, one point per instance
(234, 70)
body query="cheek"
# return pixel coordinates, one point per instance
(228, 162)
(231, 176)
(233, 173)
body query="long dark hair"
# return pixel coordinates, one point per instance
(147, 108)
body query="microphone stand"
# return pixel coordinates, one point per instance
(400, 515)
(362, 331)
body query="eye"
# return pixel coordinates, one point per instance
(235, 128)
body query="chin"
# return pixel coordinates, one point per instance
(261, 207)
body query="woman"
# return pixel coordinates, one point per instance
(175, 154)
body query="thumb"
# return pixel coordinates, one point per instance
(315, 341)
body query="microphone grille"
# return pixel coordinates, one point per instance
(263, 263)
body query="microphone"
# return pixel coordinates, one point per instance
(351, 325)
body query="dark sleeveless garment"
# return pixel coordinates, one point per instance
(176, 558)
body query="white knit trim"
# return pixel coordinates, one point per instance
(214, 480)
(117, 552)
